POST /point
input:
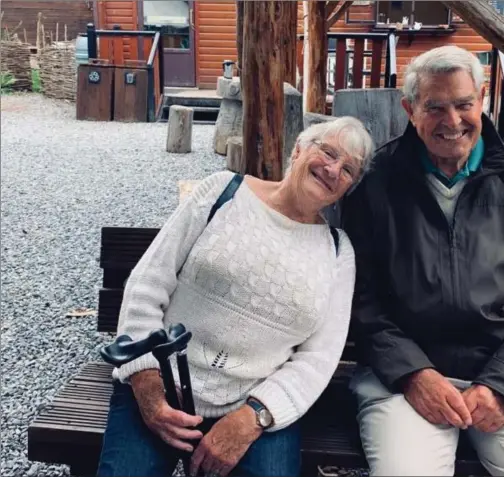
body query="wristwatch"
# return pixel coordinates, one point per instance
(264, 418)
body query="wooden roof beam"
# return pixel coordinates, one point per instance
(338, 14)
(330, 7)
(483, 18)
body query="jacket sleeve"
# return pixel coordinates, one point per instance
(492, 375)
(380, 342)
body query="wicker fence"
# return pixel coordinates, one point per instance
(15, 59)
(58, 70)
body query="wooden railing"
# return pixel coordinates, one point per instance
(496, 107)
(145, 54)
(341, 74)
(355, 76)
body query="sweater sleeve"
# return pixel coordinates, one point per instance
(291, 390)
(148, 289)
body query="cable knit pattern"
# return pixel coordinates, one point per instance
(266, 298)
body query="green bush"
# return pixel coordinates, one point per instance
(6, 82)
(36, 84)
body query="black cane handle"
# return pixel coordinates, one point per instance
(124, 349)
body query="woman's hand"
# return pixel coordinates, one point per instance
(168, 423)
(226, 443)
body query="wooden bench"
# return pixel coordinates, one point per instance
(70, 429)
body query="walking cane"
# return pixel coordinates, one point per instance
(162, 345)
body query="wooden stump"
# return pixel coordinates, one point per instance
(234, 156)
(179, 129)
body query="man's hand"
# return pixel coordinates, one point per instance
(226, 443)
(486, 408)
(168, 423)
(436, 399)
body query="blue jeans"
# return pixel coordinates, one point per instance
(131, 449)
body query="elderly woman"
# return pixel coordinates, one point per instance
(266, 292)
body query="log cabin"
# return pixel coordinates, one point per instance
(199, 35)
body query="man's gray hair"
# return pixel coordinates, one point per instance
(442, 60)
(353, 137)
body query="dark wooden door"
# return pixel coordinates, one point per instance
(130, 95)
(175, 19)
(95, 90)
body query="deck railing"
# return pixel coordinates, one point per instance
(496, 94)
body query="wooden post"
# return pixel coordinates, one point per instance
(482, 17)
(317, 57)
(179, 138)
(290, 43)
(234, 158)
(265, 25)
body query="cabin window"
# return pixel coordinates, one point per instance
(409, 13)
(173, 17)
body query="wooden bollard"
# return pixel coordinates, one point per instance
(180, 122)
(234, 156)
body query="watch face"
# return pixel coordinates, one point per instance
(264, 418)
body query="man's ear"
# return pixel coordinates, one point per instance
(407, 106)
(482, 94)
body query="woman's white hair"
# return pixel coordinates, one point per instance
(354, 139)
(442, 60)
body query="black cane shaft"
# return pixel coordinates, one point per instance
(169, 385)
(185, 383)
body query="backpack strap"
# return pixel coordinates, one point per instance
(227, 194)
(335, 234)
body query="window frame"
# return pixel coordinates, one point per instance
(411, 18)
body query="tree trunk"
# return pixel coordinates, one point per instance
(317, 57)
(290, 43)
(239, 34)
(265, 25)
(482, 17)
(306, 56)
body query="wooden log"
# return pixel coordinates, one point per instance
(234, 157)
(483, 18)
(317, 58)
(265, 24)
(239, 35)
(179, 137)
(290, 44)
(380, 111)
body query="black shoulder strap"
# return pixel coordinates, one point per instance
(227, 194)
(335, 234)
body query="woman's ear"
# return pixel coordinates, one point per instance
(296, 152)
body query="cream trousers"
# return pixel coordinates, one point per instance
(398, 441)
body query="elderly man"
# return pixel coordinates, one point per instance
(427, 225)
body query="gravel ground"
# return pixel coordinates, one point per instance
(62, 180)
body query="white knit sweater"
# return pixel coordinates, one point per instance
(266, 298)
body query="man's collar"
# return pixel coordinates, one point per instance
(471, 165)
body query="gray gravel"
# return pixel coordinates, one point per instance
(62, 180)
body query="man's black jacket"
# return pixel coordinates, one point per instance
(427, 294)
